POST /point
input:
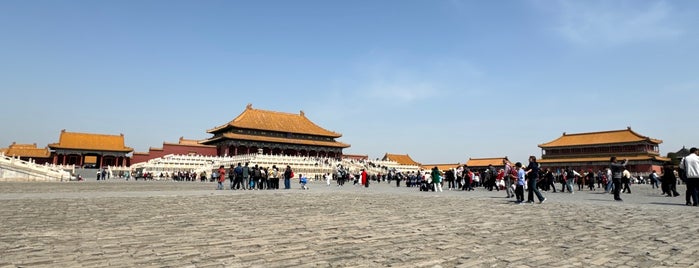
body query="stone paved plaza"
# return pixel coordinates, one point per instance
(187, 224)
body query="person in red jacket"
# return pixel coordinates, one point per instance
(221, 177)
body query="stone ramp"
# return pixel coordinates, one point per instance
(127, 224)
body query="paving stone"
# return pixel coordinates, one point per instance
(169, 224)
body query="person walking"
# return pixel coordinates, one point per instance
(690, 166)
(625, 181)
(617, 173)
(532, 172)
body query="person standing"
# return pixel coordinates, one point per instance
(288, 174)
(327, 179)
(519, 191)
(231, 176)
(221, 177)
(508, 177)
(246, 177)
(669, 181)
(690, 165)
(365, 178)
(436, 179)
(617, 170)
(654, 180)
(532, 173)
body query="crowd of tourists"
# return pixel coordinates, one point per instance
(512, 178)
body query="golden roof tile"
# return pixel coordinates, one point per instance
(401, 159)
(441, 167)
(597, 138)
(27, 150)
(484, 162)
(257, 119)
(89, 141)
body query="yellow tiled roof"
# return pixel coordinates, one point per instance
(484, 162)
(441, 167)
(603, 137)
(401, 159)
(603, 159)
(27, 150)
(275, 121)
(187, 142)
(237, 136)
(88, 141)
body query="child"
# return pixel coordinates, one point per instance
(303, 180)
(519, 191)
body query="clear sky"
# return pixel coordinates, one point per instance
(441, 81)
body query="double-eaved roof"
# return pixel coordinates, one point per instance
(599, 138)
(257, 119)
(90, 142)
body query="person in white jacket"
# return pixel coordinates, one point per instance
(690, 166)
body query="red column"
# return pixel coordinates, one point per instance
(64, 159)
(101, 161)
(55, 159)
(235, 149)
(80, 161)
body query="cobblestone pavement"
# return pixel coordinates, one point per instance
(169, 224)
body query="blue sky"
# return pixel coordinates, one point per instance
(439, 80)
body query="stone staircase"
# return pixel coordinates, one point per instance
(15, 169)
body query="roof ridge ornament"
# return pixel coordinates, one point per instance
(249, 106)
(302, 113)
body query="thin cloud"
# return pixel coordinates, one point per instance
(613, 22)
(392, 81)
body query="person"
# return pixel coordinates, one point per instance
(436, 179)
(288, 174)
(532, 173)
(508, 177)
(625, 181)
(654, 180)
(231, 176)
(591, 180)
(274, 177)
(549, 180)
(238, 177)
(327, 179)
(669, 181)
(617, 170)
(221, 177)
(690, 166)
(519, 191)
(246, 177)
(365, 178)
(303, 180)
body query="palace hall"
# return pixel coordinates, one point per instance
(87, 149)
(592, 151)
(275, 133)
